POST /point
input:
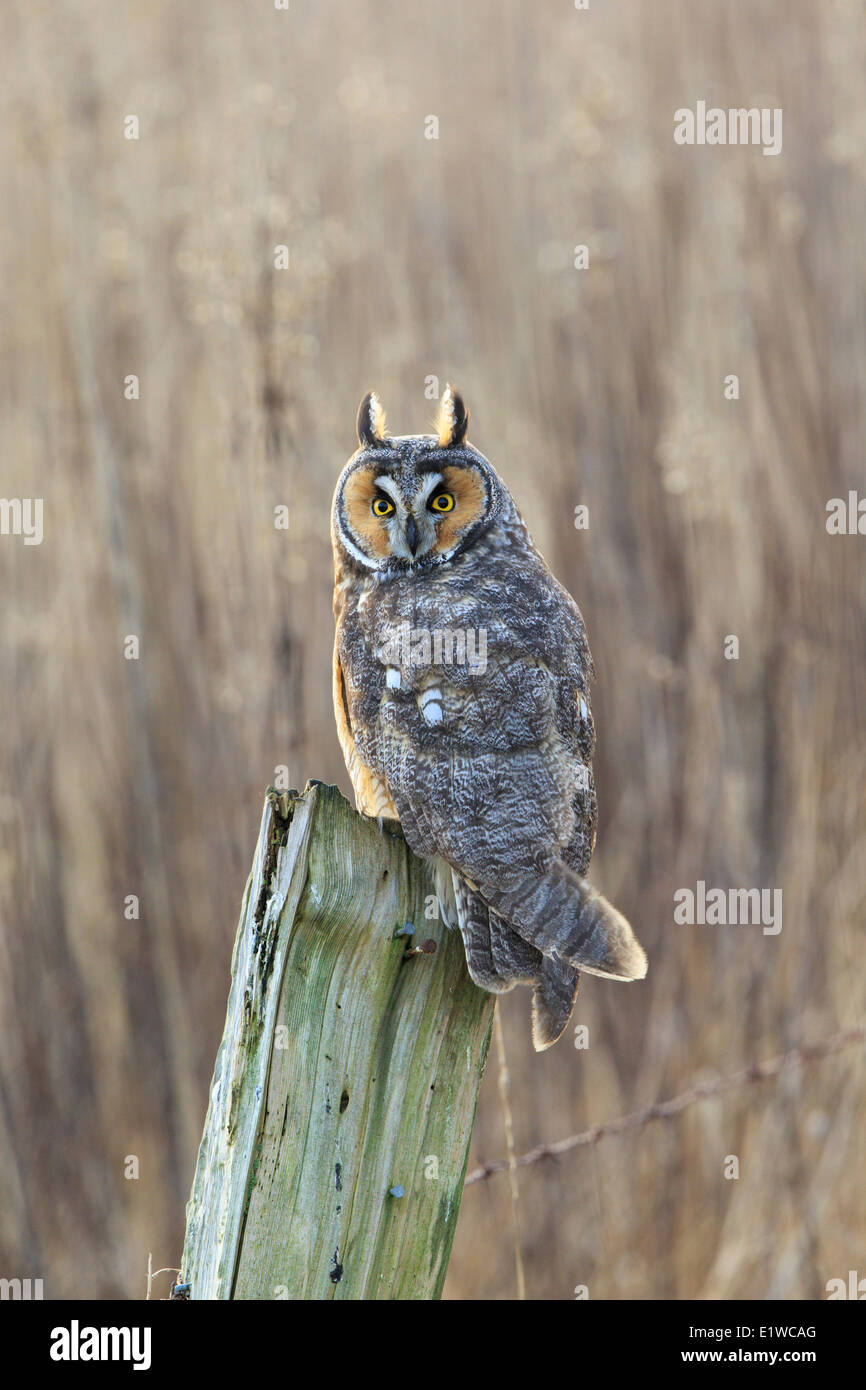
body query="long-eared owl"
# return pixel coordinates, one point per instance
(461, 691)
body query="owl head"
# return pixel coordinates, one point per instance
(416, 501)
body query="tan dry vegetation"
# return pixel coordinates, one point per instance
(452, 257)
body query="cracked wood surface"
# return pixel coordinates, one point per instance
(347, 1070)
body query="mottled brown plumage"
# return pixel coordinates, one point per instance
(461, 690)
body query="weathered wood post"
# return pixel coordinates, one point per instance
(344, 1091)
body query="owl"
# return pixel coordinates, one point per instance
(461, 693)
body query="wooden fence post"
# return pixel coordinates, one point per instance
(344, 1092)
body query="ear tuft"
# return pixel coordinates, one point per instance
(371, 421)
(453, 420)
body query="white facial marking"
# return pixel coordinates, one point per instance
(433, 481)
(388, 486)
(366, 560)
(395, 523)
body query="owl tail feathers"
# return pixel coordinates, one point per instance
(498, 959)
(565, 918)
(552, 1002)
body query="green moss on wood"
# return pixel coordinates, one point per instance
(346, 1069)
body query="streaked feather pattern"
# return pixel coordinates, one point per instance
(487, 764)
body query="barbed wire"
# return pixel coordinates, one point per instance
(666, 1109)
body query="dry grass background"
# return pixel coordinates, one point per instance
(412, 257)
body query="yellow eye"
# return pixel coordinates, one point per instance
(382, 507)
(442, 502)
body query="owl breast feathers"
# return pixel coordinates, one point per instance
(461, 691)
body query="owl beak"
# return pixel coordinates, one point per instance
(412, 534)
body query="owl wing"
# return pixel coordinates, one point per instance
(483, 770)
(497, 957)
(482, 759)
